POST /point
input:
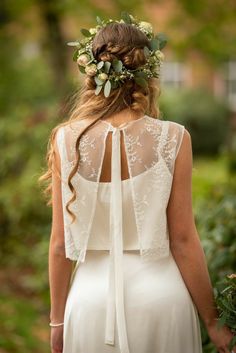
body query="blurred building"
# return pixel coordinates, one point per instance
(193, 69)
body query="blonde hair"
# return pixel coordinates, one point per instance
(116, 40)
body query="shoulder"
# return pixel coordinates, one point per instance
(179, 130)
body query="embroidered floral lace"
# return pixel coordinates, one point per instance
(151, 147)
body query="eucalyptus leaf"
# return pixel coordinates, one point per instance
(107, 88)
(146, 51)
(85, 32)
(100, 65)
(126, 17)
(73, 44)
(162, 39)
(98, 82)
(99, 21)
(141, 74)
(117, 65)
(107, 66)
(81, 69)
(98, 90)
(155, 44)
(140, 81)
(75, 55)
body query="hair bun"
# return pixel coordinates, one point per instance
(134, 58)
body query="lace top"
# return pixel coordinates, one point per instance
(151, 147)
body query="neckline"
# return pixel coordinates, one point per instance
(125, 124)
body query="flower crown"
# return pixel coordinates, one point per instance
(110, 75)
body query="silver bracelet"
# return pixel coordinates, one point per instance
(56, 325)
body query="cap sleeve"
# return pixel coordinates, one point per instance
(179, 139)
(171, 145)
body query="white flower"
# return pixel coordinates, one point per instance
(93, 30)
(160, 55)
(91, 70)
(103, 76)
(83, 59)
(145, 26)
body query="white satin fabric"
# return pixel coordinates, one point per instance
(160, 315)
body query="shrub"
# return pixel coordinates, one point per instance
(216, 223)
(205, 116)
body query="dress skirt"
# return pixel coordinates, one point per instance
(160, 314)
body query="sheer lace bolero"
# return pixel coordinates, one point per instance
(151, 147)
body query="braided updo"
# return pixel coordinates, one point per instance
(125, 42)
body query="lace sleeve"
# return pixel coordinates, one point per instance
(179, 141)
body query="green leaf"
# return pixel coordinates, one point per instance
(98, 82)
(154, 44)
(107, 66)
(73, 44)
(75, 55)
(125, 16)
(107, 88)
(140, 81)
(146, 51)
(85, 32)
(222, 320)
(141, 74)
(117, 65)
(98, 90)
(162, 40)
(81, 69)
(99, 21)
(100, 65)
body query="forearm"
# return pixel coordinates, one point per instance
(191, 261)
(60, 269)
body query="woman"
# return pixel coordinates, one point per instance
(122, 209)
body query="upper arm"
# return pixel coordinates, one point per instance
(57, 232)
(180, 216)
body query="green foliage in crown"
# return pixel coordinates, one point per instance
(110, 75)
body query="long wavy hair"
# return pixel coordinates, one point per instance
(116, 40)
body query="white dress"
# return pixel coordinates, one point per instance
(119, 301)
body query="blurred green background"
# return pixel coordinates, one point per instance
(38, 78)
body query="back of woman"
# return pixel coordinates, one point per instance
(122, 212)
